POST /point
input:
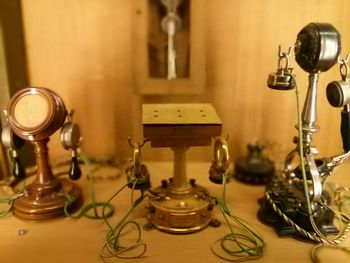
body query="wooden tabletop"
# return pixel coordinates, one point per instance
(80, 240)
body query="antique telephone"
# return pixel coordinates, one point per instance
(295, 203)
(33, 115)
(179, 205)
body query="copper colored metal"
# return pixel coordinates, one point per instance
(41, 199)
(56, 114)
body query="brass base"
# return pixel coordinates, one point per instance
(40, 202)
(180, 214)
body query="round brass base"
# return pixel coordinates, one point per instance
(180, 214)
(45, 205)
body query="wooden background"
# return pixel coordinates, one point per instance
(83, 50)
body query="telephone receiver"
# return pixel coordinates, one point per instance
(283, 78)
(70, 140)
(338, 95)
(12, 143)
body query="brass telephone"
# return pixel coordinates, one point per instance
(180, 205)
(33, 115)
(295, 202)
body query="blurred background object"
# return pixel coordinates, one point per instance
(13, 71)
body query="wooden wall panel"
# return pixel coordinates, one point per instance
(82, 49)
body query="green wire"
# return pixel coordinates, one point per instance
(301, 152)
(313, 254)
(9, 201)
(250, 246)
(85, 210)
(112, 244)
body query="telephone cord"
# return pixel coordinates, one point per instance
(302, 231)
(86, 210)
(243, 247)
(112, 245)
(342, 234)
(9, 200)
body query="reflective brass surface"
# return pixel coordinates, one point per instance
(180, 215)
(181, 206)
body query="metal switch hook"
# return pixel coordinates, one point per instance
(338, 92)
(283, 78)
(137, 157)
(137, 173)
(220, 164)
(221, 154)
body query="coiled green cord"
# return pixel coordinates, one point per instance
(86, 210)
(9, 201)
(112, 246)
(237, 246)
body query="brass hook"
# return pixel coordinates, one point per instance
(137, 160)
(221, 154)
(137, 143)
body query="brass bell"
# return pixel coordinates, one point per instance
(283, 79)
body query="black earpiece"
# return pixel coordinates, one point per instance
(338, 95)
(12, 143)
(317, 47)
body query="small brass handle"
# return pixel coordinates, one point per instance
(137, 159)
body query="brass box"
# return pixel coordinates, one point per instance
(169, 125)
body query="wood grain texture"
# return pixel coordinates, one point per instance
(68, 240)
(145, 37)
(83, 50)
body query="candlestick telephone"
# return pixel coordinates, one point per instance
(33, 115)
(295, 202)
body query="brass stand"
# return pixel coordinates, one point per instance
(40, 201)
(180, 206)
(183, 207)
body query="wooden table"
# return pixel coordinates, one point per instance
(80, 240)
